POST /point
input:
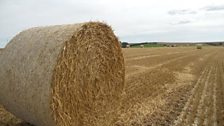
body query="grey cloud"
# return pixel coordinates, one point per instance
(184, 22)
(214, 8)
(181, 12)
(181, 22)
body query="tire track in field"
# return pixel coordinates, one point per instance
(214, 107)
(222, 89)
(220, 94)
(200, 116)
(201, 107)
(208, 115)
(182, 117)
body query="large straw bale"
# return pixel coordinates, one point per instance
(68, 75)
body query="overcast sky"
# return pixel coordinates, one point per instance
(132, 20)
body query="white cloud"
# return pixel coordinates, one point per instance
(181, 12)
(132, 20)
(214, 8)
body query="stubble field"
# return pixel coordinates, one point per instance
(168, 86)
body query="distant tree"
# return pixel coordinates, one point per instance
(124, 44)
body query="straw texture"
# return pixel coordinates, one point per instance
(66, 75)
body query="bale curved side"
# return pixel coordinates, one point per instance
(63, 75)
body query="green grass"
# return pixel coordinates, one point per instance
(148, 45)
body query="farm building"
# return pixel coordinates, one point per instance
(127, 46)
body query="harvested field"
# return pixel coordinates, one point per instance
(168, 86)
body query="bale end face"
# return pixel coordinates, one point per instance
(88, 78)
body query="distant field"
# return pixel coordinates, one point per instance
(168, 86)
(157, 44)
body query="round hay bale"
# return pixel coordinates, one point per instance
(199, 46)
(127, 46)
(68, 75)
(142, 46)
